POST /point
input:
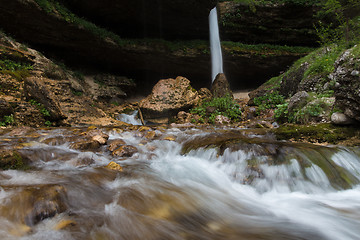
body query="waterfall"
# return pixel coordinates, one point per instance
(216, 55)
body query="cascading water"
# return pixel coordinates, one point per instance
(215, 46)
(249, 188)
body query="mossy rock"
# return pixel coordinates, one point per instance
(320, 133)
(12, 159)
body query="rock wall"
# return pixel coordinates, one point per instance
(175, 19)
(275, 24)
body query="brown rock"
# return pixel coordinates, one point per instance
(150, 135)
(5, 108)
(114, 166)
(85, 144)
(48, 203)
(35, 88)
(168, 97)
(125, 151)
(220, 87)
(116, 143)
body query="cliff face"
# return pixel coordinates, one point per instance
(65, 35)
(275, 24)
(175, 19)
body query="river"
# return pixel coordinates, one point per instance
(182, 183)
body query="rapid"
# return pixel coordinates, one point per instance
(181, 183)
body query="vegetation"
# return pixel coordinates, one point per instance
(339, 21)
(264, 49)
(7, 120)
(269, 100)
(18, 70)
(41, 108)
(224, 106)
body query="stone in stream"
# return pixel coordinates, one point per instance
(13, 159)
(125, 151)
(116, 143)
(34, 204)
(90, 140)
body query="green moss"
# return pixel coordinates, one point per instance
(324, 132)
(224, 106)
(13, 160)
(264, 49)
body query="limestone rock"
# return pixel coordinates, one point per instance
(347, 93)
(116, 143)
(48, 203)
(125, 151)
(36, 89)
(168, 97)
(298, 100)
(220, 87)
(114, 166)
(341, 119)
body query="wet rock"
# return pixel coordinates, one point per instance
(220, 87)
(341, 119)
(114, 166)
(84, 161)
(116, 143)
(36, 89)
(144, 129)
(98, 135)
(168, 97)
(85, 144)
(12, 159)
(125, 151)
(170, 138)
(150, 135)
(47, 202)
(64, 224)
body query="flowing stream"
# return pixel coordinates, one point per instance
(181, 184)
(215, 46)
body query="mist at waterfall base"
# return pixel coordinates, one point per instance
(215, 46)
(245, 190)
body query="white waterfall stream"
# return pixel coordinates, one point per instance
(244, 191)
(215, 46)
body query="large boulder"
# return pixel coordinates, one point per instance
(347, 77)
(168, 97)
(220, 87)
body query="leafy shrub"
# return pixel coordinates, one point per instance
(269, 100)
(7, 120)
(225, 106)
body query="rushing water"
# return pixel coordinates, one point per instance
(249, 187)
(130, 118)
(215, 46)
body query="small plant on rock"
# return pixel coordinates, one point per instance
(224, 106)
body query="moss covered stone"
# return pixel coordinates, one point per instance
(324, 132)
(12, 159)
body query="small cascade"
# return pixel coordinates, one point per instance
(129, 118)
(215, 46)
